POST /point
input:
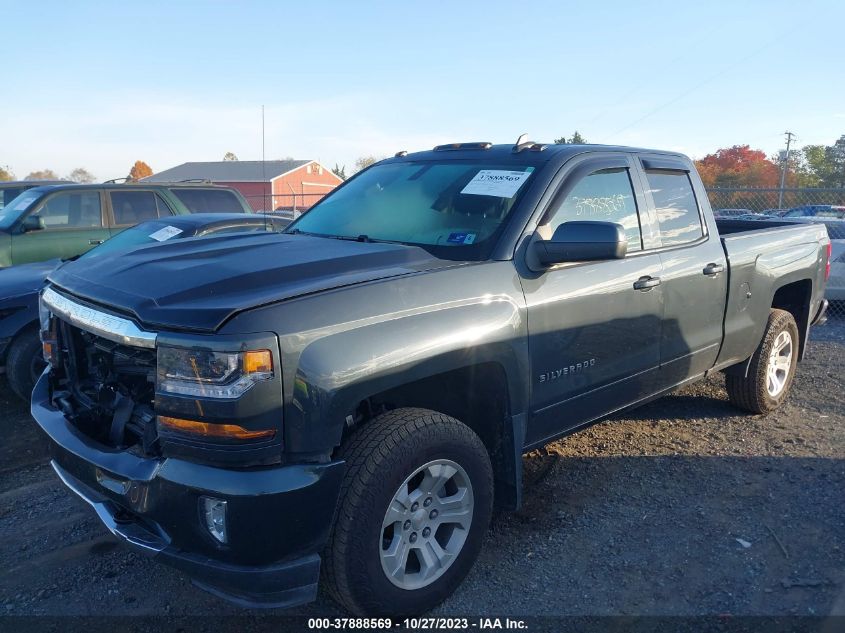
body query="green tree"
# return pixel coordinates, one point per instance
(836, 157)
(575, 139)
(42, 174)
(81, 175)
(821, 165)
(6, 173)
(229, 156)
(340, 172)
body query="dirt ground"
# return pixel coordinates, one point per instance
(682, 507)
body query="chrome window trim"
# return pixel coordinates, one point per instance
(108, 326)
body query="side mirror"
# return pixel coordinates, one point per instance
(582, 241)
(33, 223)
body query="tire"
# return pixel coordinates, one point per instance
(381, 460)
(759, 391)
(24, 363)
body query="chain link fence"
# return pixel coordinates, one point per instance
(825, 206)
(288, 205)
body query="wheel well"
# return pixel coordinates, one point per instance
(32, 325)
(475, 395)
(795, 299)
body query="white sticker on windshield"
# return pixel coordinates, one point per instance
(165, 234)
(496, 182)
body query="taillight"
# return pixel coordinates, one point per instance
(827, 266)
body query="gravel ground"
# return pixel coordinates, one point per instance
(682, 507)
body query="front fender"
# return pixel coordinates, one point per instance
(338, 371)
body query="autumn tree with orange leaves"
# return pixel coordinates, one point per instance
(738, 166)
(139, 170)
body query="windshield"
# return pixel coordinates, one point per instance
(455, 209)
(8, 194)
(146, 233)
(17, 207)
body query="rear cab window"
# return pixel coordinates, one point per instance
(676, 206)
(199, 200)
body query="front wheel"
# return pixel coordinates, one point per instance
(772, 369)
(415, 504)
(24, 363)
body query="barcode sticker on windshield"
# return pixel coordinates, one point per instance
(496, 182)
(162, 235)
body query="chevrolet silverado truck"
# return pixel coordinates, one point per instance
(351, 397)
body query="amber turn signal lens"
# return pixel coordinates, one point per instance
(212, 430)
(258, 362)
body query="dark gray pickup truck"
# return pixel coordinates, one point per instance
(358, 392)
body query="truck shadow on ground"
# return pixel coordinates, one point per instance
(670, 534)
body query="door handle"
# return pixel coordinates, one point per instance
(95, 242)
(646, 283)
(713, 269)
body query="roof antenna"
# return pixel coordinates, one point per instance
(523, 138)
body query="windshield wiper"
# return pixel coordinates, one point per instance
(347, 238)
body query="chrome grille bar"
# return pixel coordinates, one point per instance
(108, 326)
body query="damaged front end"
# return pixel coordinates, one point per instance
(107, 390)
(103, 373)
(210, 398)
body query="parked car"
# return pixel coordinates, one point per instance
(61, 221)
(356, 392)
(720, 213)
(831, 211)
(20, 347)
(11, 189)
(835, 289)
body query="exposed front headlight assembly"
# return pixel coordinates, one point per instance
(205, 374)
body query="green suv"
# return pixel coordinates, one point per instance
(62, 221)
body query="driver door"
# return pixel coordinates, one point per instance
(594, 330)
(73, 224)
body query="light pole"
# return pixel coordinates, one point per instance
(784, 167)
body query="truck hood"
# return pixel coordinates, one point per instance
(199, 283)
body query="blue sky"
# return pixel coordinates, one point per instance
(102, 84)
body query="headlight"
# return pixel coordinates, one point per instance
(206, 374)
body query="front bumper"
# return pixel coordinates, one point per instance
(278, 518)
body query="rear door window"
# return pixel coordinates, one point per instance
(198, 200)
(676, 206)
(133, 207)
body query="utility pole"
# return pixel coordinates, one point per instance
(784, 167)
(263, 169)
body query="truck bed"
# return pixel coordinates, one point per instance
(763, 257)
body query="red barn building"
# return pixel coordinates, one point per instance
(273, 185)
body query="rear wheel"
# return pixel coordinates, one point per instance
(772, 368)
(415, 504)
(24, 363)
